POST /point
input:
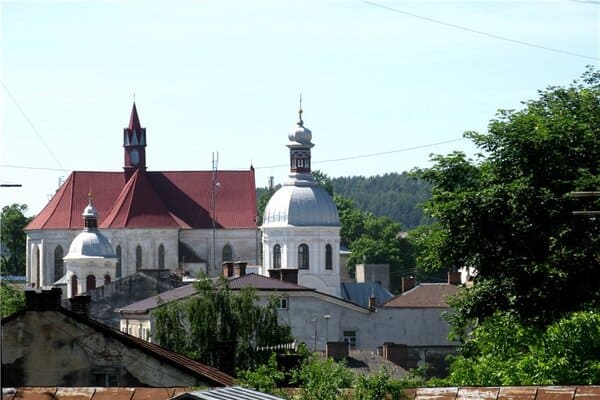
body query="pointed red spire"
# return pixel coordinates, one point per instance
(134, 120)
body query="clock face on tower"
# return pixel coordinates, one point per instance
(135, 157)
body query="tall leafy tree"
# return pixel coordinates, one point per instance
(508, 214)
(12, 299)
(13, 239)
(217, 317)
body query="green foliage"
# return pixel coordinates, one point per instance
(264, 378)
(376, 386)
(217, 316)
(12, 299)
(322, 379)
(13, 239)
(503, 351)
(508, 214)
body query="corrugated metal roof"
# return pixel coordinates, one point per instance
(228, 393)
(359, 293)
(152, 200)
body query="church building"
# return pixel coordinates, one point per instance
(184, 221)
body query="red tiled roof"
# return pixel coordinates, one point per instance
(425, 295)
(153, 200)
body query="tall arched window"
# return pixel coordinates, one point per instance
(328, 257)
(106, 279)
(227, 253)
(90, 283)
(74, 289)
(277, 256)
(58, 263)
(118, 271)
(303, 262)
(161, 256)
(38, 268)
(138, 257)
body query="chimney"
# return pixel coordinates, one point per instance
(228, 269)
(239, 268)
(42, 300)
(372, 302)
(454, 278)
(80, 304)
(408, 282)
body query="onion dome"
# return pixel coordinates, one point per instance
(300, 134)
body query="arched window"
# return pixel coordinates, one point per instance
(328, 257)
(161, 256)
(74, 290)
(277, 256)
(106, 279)
(303, 262)
(38, 268)
(90, 283)
(138, 257)
(227, 253)
(58, 263)
(118, 271)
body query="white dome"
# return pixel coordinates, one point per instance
(300, 134)
(90, 243)
(301, 203)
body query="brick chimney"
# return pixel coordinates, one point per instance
(228, 269)
(408, 282)
(372, 302)
(80, 304)
(42, 300)
(239, 268)
(454, 277)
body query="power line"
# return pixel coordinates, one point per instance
(382, 153)
(31, 124)
(494, 36)
(33, 168)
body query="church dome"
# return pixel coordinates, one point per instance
(90, 244)
(301, 203)
(300, 134)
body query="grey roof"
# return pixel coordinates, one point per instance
(226, 393)
(359, 293)
(301, 203)
(258, 282)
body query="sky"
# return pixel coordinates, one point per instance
(385, 84)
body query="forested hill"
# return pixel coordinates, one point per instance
(392, 195)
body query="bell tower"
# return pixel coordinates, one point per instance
(300, 145)
(134, 143)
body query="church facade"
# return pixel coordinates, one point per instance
(184, 221)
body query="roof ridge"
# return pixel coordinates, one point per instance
(119, 202)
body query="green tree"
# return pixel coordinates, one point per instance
(12, 299)
(508, 214)
(218, 316)
(322, 378)
(264, 378)
(13, 239)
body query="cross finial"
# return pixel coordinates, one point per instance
(300, 110)
(134, 97)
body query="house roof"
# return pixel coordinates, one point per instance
(359, 293)
(425, 295)
(172, 199)
(258, 282)
(91, 393)
(206, 372)
(235, 392)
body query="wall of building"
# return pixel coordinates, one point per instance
(47, 348)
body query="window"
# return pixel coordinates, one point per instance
(90, 283)
(59, 270)
(106, 279)
(118, 271)
(328, 257)
(161, 256)
(283, 303)
(227, 253)
(303, 262)
(350, 338)
(106, 380)
(138, 257)
(74, 289)
(277, 256)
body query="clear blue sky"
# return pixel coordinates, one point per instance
(225, 76)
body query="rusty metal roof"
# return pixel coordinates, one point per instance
(91, 393)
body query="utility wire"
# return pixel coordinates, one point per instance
(33, 168)
(31, 124)
(370, 154)
(494, 36)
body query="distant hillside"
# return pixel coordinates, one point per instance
(392, 195)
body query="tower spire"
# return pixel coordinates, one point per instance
(300, 122)
(134, 143)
